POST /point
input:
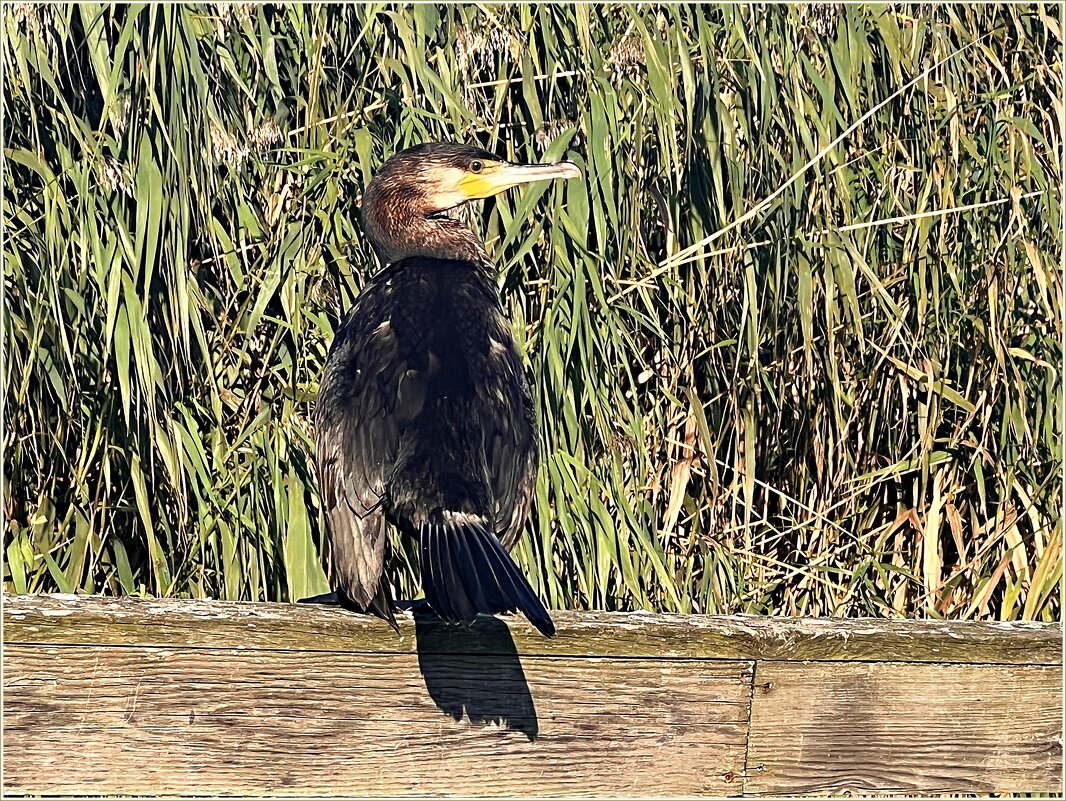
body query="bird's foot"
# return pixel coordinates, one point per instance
(412, 606)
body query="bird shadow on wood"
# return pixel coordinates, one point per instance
(474, 671)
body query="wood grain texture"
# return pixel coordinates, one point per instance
(146, 720)
(177, 697)
(904, 728)
(110, 621)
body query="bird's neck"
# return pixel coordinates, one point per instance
(401, 236)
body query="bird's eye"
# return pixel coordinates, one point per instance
(475, 166)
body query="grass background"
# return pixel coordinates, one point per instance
(847, 404)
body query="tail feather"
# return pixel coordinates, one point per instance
(457, 601)
(430, 560)
(432, 571)
(527, 599)
(466, 570)
(475, 586)
(449, 599)
(495, 594)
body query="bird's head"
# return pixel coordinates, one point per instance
(408, 206)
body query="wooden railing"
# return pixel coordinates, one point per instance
(174, 697)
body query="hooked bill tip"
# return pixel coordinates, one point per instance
(567, 169)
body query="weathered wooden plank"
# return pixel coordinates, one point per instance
(108, 696)
(826, 728)
(171, 721)
(109, 621)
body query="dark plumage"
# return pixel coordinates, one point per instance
(424, 417)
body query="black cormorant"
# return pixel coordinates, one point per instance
(424, 416)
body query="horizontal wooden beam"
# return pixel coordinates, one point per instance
(93, 620)
(861, 727)
(176, 697)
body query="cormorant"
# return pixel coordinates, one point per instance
(424, 417)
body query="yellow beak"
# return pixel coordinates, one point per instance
(496, 178)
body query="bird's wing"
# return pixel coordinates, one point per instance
(511, 448)
(357, 443)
